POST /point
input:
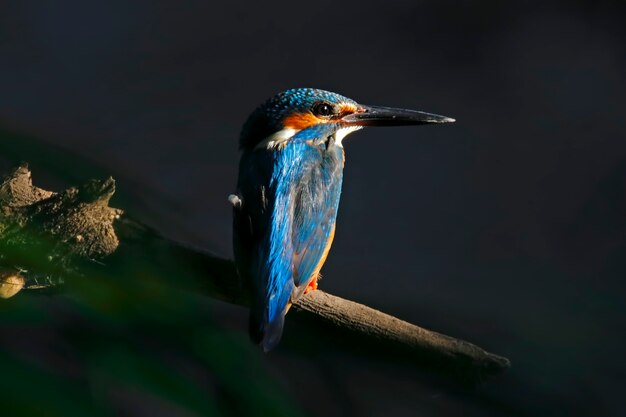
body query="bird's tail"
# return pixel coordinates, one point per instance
(266, 334)
(266, 329)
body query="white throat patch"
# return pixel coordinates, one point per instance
(343, 132)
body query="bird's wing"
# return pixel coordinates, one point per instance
(313, 230)
(315, 201)
(285, 238)
(303, 197)
(258, 264)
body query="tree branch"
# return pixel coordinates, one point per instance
(48, 238)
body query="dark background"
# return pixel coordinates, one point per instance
(507, 228)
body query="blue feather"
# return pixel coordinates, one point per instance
(290, 201)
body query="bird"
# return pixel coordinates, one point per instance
(287, 196)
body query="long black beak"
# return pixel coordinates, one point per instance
(387, 116)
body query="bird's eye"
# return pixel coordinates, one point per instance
(323, 109)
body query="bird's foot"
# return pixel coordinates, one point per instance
(312, 285)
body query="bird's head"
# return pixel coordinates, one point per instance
(278, 119)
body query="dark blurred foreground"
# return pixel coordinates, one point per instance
(110, 349)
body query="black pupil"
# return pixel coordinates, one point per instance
(323, 109)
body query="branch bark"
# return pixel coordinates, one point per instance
(48, 238)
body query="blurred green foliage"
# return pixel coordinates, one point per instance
(127, 347)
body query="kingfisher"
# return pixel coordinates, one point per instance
(285, 206)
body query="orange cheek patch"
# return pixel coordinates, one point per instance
(302, 121)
